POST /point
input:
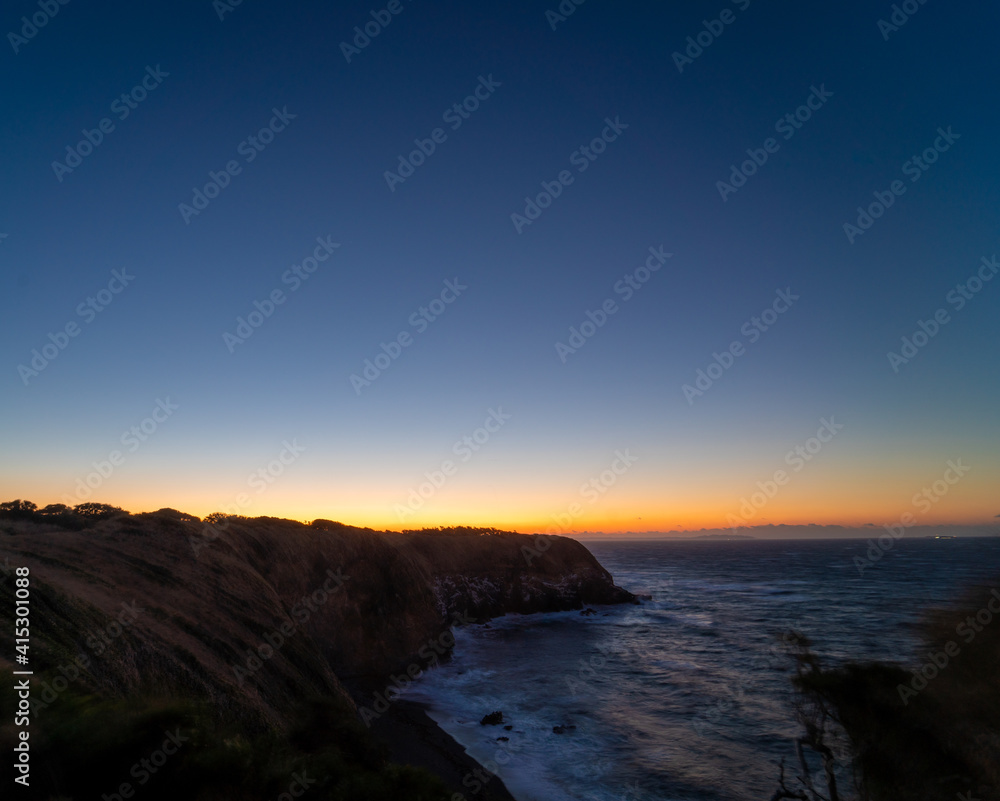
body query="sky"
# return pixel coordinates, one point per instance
(596, 267)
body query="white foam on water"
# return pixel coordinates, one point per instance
(681, 697)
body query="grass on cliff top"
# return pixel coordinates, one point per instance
(84, 747)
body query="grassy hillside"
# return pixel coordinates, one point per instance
(245, 631)
(85, 747)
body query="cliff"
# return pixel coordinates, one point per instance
(253, 615)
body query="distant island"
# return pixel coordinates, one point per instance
(783, 531)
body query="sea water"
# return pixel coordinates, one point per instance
(686, 696)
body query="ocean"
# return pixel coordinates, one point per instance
(686, 697)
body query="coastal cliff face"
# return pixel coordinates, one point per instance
(255, 614)
(500, 573)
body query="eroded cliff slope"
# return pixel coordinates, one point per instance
(255, 614)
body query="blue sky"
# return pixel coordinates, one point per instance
(655, 185)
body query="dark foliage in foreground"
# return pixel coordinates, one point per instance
(85, 747)
(940, 741)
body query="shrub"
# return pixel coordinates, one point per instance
(18, 510)
(97, 511)
(83, 747)
(173, 514)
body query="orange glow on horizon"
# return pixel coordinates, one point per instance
(569, 520)
(662, 499)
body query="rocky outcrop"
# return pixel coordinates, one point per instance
(254, 614)
(498, 573)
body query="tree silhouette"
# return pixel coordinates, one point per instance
(97, 511)
(815, 713)
(17, 509)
